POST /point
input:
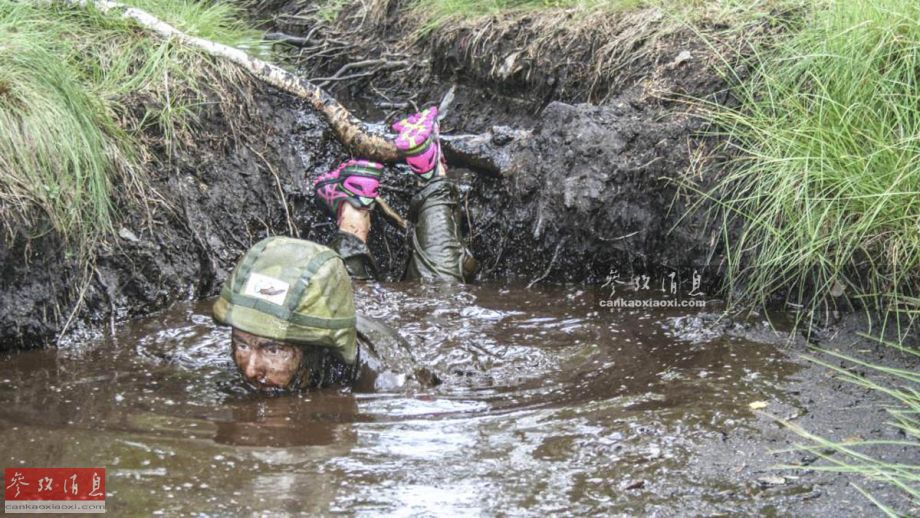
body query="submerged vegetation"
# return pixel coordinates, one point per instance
(77, 91)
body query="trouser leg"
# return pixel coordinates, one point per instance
(358, 260)
(437, 250)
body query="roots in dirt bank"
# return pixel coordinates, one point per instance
(538, 54)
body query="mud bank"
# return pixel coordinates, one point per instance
(592, 190)
(779, 473)
(213, 198)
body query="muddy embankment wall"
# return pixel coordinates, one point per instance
(209, 201)
(590, 192)
(594, 189)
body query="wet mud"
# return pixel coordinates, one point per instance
(589, 193)
(594, 190)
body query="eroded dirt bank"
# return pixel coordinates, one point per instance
(215, 197)
(592, 185)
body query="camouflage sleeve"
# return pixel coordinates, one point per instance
(358, 259)
(386, 360)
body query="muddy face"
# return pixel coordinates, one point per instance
(264, 363)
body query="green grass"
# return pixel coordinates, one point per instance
(826, 188)
(467, 9)
(436, 14)
(827, 183)
(78, 91)
(329, 10)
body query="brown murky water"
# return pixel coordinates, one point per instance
(549, 404)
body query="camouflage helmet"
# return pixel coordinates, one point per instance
(294, 291)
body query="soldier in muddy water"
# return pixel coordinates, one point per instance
(290, 302)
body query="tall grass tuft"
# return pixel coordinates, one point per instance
(78, 88)
(827, 183)
(826, 188)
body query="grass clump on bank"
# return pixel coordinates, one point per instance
(826, 188)
(437, 14)
(78, 89)
(827, 183)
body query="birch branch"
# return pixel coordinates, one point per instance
(488, 152)
(348, 129)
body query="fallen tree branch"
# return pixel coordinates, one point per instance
(347, 128)
(487, 152)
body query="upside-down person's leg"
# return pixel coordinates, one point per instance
(437, 249)
(348, 193)
(351, 243)
(438, 252)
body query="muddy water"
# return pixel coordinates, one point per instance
(548, 404)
